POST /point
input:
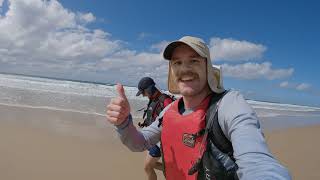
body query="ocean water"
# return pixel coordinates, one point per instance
(92, 98)
(35, 92)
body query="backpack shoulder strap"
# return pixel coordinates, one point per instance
(160, 104)
(215, 132)
(163, 97)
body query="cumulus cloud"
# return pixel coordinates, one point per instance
(43, 37)
(296, 86)
(284, 84)
(38, 30)
(255, 71)
(1, 3)
(235, 50)
(159, 46)
(303, 86)
(86, 17)
(43, 30)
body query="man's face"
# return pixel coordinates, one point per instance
(146, 94)
(190, 71)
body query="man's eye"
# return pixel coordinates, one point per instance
(176, 62)
(194, 60)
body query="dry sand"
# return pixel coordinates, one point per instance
(31, 152)
(298, 149)
(35, 150)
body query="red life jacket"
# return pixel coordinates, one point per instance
(180, 144)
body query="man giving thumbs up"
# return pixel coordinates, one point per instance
(119, 108)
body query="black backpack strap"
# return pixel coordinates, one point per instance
(145, 111)
(213, 135)
(145, 119)
(215, 132)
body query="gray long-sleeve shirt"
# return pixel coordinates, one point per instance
(239, 124)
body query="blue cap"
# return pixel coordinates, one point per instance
(144, 84)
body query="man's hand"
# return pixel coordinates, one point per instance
(119, 108)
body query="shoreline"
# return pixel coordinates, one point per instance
(267, 123)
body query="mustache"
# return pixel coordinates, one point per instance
(181, 74)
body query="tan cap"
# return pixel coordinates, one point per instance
(214, 72)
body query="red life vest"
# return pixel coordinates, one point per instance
(180, 146)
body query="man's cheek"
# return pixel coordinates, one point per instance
(176, 72)
(197, 70)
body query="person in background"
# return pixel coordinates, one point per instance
(157, 102)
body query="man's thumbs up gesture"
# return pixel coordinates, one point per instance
(119, 108)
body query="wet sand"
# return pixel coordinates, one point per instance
(37, 144)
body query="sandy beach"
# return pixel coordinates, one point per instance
(298, 149)
(31, 148)
(37, 144)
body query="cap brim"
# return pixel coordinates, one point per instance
(167, 53)
(139, 92)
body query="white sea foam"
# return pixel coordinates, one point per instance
(61, 86)
(278, 106)
(87, 97)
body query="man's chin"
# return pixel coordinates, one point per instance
(187, 92)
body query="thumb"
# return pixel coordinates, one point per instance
(120, 91)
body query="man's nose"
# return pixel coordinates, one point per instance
(186, 65)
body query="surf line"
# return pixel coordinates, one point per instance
(52, 108)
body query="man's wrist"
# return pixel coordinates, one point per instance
(125, 123)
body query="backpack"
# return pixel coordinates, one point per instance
(154, 106)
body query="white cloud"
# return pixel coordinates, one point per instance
(303, 86)
(296, 86)
(44, 38)
(86, 17)
(255, 71)
(234, 50)
(284, 84)
(160, 46)
(44, 31)
(1, 4)
(129, 66)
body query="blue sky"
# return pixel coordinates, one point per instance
(267, 49)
